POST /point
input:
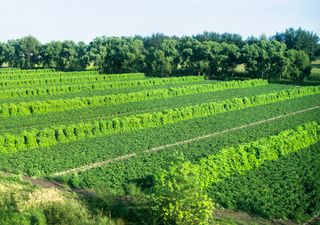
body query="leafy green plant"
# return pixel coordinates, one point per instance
(179, 180)
(93, 86)
(61, 79)
(134, 122)
(40, 107)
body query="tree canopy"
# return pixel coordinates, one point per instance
(300, 40)
(284, 55)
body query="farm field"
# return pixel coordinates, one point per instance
(160, 113)
(92, 130)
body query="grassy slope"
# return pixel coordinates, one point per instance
(82, 207)
(27, 204)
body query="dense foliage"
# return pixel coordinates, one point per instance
(210, 54)
(40, 107)
(17, 124)
(286, 188)
(62, 79)
(17, 74)
(140, 169)
(93, 86)
(23, 203)
(300, 40)
(195, 179)
(66, 133)
(53, 122)
(15, 71)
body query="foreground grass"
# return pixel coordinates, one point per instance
(23, 203)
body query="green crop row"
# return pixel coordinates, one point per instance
(74, 88)
(44, 74)
(74, 79)
(239, 159)
(17, 124)
(198, 178)
(67, 133)
(20, 71)
(40, 107)
(139, 169)
(287, 188)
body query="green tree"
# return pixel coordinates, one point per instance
(162, 59)
(300, 40)
(72, 56)
(124, 55)
(187, 54)
(201, 57)
(265, 59)
(6, 53)
(228, 38)
(97, 51)
(50, 54)
(83, 59)
(299, 65)
(26, 52)
(180, 199)
(225, 59)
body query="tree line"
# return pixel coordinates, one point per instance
(284, 55)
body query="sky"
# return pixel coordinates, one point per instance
(83, 20)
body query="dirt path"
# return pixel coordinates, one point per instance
(314, 221)
(36, 181)
(156, 149)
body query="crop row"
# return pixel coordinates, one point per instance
(71, 79)
(292, 181)
(139, 169)
(20, 71)
(240, 159)
(50, 160)
(40, 107)
(44, 74)
(214, 168)
(19, 123)
(67, 133)
(74, 88)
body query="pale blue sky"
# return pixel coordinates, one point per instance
(82, 20)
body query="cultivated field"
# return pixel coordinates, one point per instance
(92, 130)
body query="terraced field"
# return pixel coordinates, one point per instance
(90, 129)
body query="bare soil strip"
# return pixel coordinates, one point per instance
(156, 149)
(35, 181)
